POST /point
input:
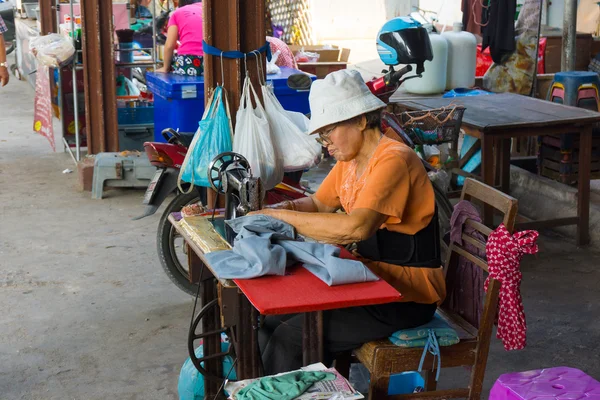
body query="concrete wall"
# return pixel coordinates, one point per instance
(354, 23)
(448, 11)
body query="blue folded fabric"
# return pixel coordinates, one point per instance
(265, 246)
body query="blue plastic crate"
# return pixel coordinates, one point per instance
(135, 115)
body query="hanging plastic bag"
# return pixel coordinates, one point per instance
(253, 139)
(52, 50)
(212, 138)
(272, 67)
(126, 88)
(289, 131)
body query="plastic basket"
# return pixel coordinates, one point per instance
(440, 125)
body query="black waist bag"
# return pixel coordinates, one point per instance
(419, 250)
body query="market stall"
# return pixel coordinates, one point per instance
(245, 167)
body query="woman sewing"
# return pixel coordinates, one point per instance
(389, 207)
(185, 28)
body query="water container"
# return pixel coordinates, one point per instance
(433, 80)
(462, 58)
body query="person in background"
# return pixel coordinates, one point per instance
(185, 26)
(4, 75)
(286, 56)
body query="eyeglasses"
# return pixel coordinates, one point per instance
(323, 138)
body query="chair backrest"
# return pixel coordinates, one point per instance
(474, 190)
(502, 202)
(505, 204)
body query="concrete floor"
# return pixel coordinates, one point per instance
(87, 313)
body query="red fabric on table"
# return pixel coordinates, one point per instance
(300, 291)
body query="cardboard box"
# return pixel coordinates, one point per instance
(329, 59)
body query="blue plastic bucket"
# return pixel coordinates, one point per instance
(405, 383)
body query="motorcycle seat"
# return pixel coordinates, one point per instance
(186, 138)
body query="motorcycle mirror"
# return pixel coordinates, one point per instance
(299, 82)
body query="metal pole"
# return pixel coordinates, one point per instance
(75, 97)
(61, 106)
(569, 36)
(154, 52)
(537, 46)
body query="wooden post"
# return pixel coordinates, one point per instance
(48, 16)
(232, 25)
(99, 76)
(583, 194)
(235, 25)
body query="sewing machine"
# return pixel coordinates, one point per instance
(230, 174)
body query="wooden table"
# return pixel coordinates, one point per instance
(496, 119)
(242, 300)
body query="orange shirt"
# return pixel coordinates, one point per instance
(394, 184)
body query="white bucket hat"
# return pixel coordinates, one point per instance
(342, 95)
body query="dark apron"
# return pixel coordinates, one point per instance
(419, 250)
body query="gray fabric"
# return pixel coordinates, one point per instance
(265, 246)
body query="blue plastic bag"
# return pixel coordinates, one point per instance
(191, 382)
(213, 137)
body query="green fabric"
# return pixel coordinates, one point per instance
(417, 337)
(283, 387)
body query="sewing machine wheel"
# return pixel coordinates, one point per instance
(193, 336)
(219, 164)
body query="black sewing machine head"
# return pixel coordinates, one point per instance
(229, 173)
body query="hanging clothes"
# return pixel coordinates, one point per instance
(464, 279)
(471, 20)
(499, 29)
(504, 253)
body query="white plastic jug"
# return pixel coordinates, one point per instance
(462, 58)
(433, 80)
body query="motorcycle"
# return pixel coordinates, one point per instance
(168, 158)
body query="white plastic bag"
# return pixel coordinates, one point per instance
(272, 67)
(289, 131)
(52, 50)
(253, 139)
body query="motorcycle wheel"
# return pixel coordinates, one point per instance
(169, 243)
(445, 209)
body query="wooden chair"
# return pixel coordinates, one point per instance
(382, 358)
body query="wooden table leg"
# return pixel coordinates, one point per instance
(312, 338)
(487, 171)
(505, 148)
(247, 352)
(583, 197)
(212, 343)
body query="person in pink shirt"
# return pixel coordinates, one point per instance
(185, 27)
